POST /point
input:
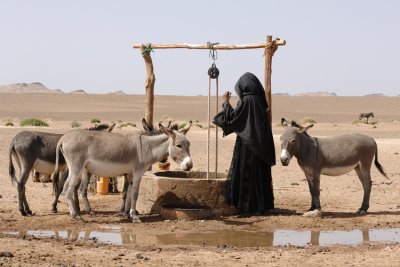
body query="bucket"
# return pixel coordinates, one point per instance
(102, 185)
(163, 166)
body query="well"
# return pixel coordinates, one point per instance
(180, 189)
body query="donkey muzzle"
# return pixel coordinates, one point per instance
(285, 157)
(187, 164)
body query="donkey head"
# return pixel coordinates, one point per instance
(290, 140)
(179, 146)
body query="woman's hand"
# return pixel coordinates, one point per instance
(226, 96)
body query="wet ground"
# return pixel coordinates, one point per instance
(114, 235)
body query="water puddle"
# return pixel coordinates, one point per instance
(280, 237)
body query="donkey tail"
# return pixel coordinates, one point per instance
(11, 169)
(55, 174)
(378, 165)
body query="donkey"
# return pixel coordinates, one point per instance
(331, 156)
(127, 185)
(35, 150)
(109, 154)
(366, 115)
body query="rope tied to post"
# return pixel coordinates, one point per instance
(147, 49)
(270, 48)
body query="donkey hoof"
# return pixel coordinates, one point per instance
(313, 214)
(23, 213)
(136, 219)
(91, 212)
(361, 212)
(54, 210)
(78, 218)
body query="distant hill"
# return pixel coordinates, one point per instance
(78, 92)
(117, 93)
(281, 94)
(377, 94)
(318, 94)
(35, 87)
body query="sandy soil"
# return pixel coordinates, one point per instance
(156, 242)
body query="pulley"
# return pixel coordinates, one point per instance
(213, 72)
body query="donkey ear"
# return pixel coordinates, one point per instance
(284, 123)
(304, 129)
(166, 131)
(146, 126)
(186, 129)
(109, 129)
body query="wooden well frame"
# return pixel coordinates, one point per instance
(270, 46)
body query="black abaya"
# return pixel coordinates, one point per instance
(250, 183)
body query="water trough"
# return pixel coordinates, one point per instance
(183, 195)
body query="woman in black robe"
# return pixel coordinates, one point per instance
(249, 187)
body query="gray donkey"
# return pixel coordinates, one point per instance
(331, 156)
(35, 150)
(127, 185)
(108, 154)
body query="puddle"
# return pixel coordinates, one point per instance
(280, 237)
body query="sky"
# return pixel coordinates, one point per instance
(347, 47)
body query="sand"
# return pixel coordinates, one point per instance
(340, 196)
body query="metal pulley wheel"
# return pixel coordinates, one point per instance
(213, 72)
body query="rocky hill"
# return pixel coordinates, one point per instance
(78, 92)
(35, 87)
(318, 94)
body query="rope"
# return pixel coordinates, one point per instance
(147, 50)
(208, 128)
(213, 73)
(270, 48)
(216, 131)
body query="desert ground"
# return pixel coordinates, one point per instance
(224, 241)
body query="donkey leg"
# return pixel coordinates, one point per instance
(84, 188)
(124, 192)
(22, 202)
(76, 197)
(365, 177)
(26, 205)
(135, 193)
(73, 179)
(314, 186)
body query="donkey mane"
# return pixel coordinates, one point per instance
(174, 126)
(98, 127)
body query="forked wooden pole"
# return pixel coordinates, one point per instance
(268, 62)
(149, 85)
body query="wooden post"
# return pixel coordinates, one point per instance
(149, 85)
(268, 63)
(270, 49)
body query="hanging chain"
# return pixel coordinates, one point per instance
(213, 71)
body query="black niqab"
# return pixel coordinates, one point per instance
(249, 120)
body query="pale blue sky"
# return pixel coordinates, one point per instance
(347, 47)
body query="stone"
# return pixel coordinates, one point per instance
(179, 189)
